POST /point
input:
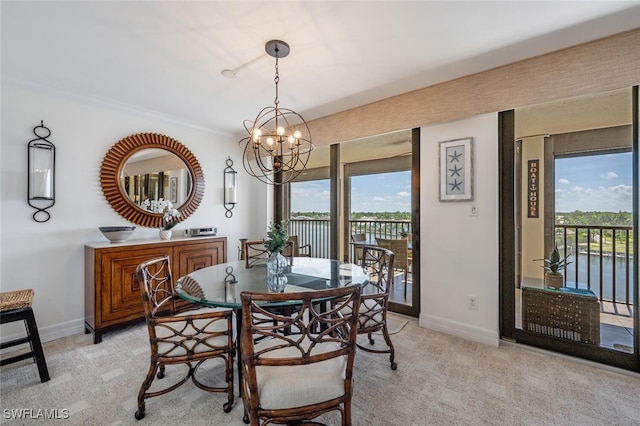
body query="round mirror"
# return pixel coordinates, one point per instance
(144, 169)
(151, 175)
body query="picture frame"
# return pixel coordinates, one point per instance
(456, 169)
(173, 189)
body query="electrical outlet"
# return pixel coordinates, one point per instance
(474, 210)
(473, 302)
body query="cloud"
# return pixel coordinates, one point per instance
(564, 181)
(403, 194)
(603, 198)
(379, 199)
(610, 176)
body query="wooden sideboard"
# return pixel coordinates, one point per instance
(111, 291)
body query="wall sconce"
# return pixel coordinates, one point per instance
(41, 176)
(230, 194)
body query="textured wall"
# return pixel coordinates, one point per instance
(598, 66)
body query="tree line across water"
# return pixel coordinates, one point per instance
(355, 215)
(578, 217)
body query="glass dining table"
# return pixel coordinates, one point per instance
(220, 285)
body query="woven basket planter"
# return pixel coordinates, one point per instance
(554, 280)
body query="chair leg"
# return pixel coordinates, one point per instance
(346, 416)
(153, 368)
(229, 378)
(36, 346)
(161, 372)
(387, 339)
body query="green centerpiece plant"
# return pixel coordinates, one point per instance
(277, 237)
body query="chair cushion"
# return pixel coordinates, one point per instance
(296, 386)
(176, 338)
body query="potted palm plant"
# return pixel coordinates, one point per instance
(404, 234)
(554, 266)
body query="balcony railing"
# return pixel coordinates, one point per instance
(373, 229)
(601, 257)
(389, 229)
(601, 260)
(316, 232)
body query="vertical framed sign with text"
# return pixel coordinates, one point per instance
(533, 186)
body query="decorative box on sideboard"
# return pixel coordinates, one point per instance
(111, 292)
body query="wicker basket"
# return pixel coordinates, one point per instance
(566, 313)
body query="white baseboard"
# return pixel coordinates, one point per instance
(458, 329)
(64, 329)
(52, 332)
(48, 333)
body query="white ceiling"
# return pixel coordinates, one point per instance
(166, 57)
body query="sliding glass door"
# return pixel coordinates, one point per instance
(368, 186)
(569, 211)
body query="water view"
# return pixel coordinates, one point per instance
(610, 267)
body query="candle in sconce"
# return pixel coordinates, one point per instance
(231, 291)
(230, 195)
(41, 184)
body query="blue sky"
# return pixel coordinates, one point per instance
(312, 196)
(594, 183)
(587, 183)
(387, 192)
(371, 193)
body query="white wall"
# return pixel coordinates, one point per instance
(49, 257)
(459, 252)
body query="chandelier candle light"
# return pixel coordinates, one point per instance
(277, 148)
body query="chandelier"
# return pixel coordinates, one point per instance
(277, 148)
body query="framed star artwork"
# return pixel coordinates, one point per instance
(456, 170)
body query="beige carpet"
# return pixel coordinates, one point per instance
(396, 323)
(440, 380)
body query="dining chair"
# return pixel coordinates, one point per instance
(379, 262)
(402, 258)
(190, 337)
(357, 250)
(294, 248)
(298, 367)
(255, 252)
